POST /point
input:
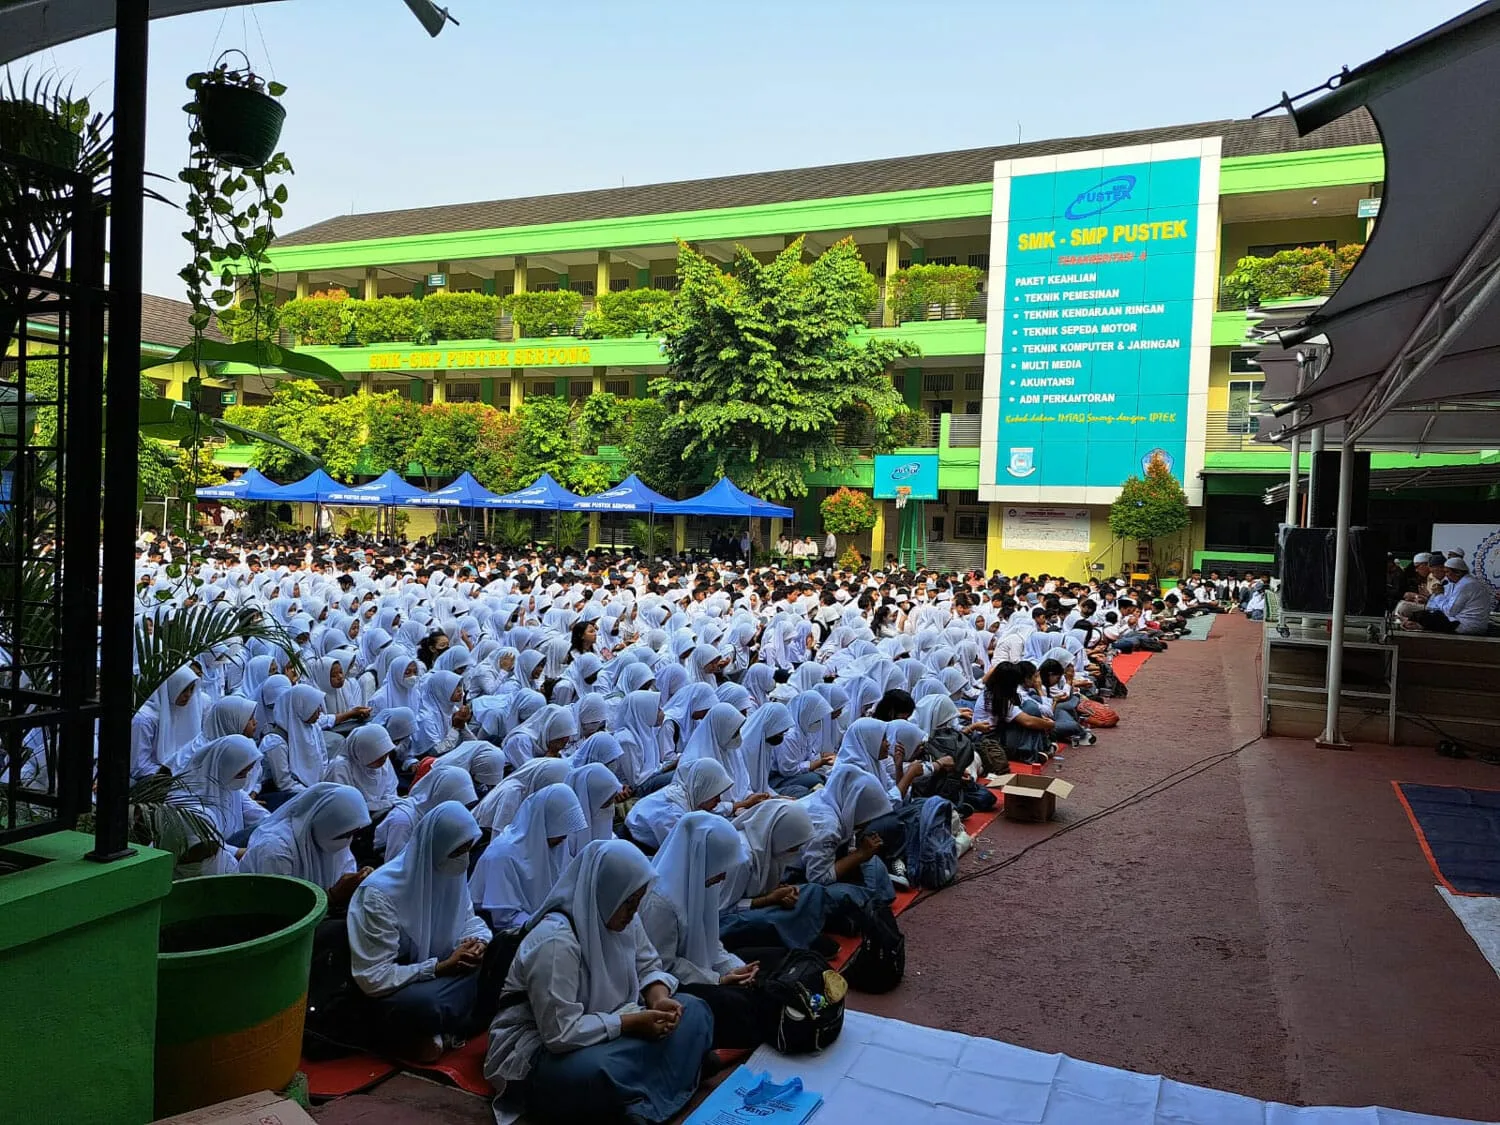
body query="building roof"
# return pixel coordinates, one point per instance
(164, 322)
(1255, 137)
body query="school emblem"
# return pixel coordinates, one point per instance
(1022, 461)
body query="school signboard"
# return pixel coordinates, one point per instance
(1100, 318)
(919, 472)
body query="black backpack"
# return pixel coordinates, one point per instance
(801, 1004)
(880, 961)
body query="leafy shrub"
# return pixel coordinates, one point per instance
(914, 291)
(315, 319)
(848, 512)
(908, 428)
(238, 323)
(1303, 271)
(458, 316)
(627, 312)
(543, 314)
(384, 320)
(1346, 255)
(850, 558)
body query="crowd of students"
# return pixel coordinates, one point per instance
(654, 779)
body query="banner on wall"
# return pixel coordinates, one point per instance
(1100, 320)
(1480, 543)
(919, 472)
(1045, 529)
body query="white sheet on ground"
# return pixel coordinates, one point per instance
(1480, 915)
(886, 1070)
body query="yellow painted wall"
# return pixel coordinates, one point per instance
(1218, 380)
(1075, 565)
(1236, 238)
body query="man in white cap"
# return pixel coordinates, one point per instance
(1463, 605)
(1419, 584)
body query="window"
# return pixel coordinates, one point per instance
(580, 389)
(971, 525)
(974, 381)
(541, 390)
(462, 392)
(668, 281)
(961, 497)
(583, 288)
(1244, 402)
(937, 383)
(619, 284)
(943, 260)
(979, 261)
(974, 406)
(545, 287)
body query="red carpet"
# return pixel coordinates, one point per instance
(1127, 664)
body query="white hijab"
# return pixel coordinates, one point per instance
(850, 798)
(594, 885)
(638, 734)
(520, 866)
(596, 789)
(365, 745)
(212, 778)
(176, 726)
(499, 806)
(426, 887)
(718, 737)
(481, 760)
(773, 834)
(702, 846)
(312, 828)
(306, 752)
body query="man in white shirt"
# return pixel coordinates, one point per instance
(1463, 606)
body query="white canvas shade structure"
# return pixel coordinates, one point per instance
(1412, 353)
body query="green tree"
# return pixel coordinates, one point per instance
(764, 364)
(394, 424)
(602, 420)
(1151, 507)
(495, 455)
(449, 438)
(657, 456)
(302, 413)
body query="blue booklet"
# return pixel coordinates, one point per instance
(748, 1096)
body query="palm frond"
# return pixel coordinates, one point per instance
(183, 634)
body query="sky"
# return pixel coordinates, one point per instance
(528, 98)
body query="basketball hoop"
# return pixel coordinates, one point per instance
(903, 494)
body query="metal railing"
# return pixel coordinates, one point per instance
(1232, 431)
(963, 431)
(1232, 301)
(976, 309)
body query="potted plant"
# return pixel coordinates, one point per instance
(237, 112)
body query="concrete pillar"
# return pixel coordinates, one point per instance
(439, 387)
(601, 275)
(372, 283)
(599, 379)
(877, 537)
(367, 384)
(892, 264)
(519, 281)
(442, 268)
(304, 286)
(994, 538)
(679, 534)
(497, 283)
(517, 389)
(596, 528)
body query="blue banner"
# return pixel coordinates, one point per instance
(1097, 332)
(919, 472)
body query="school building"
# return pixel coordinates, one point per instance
(1103, 331)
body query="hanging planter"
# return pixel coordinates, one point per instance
(238, 114)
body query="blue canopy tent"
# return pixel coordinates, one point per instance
(464, 492)
(543, 495)
(725, 498)
(630, 495)
(315, 488)
(251, 485)
(387, 489)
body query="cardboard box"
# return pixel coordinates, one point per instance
(264, 1108)
(1030, 798)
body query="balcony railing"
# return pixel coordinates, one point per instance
(1234, 301)
(963, 431)
(976, 309)
(1232, 431)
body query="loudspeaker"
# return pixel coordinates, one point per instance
(1306, 558)
(1323, 510)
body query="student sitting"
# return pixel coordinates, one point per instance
(681, 916)
(521, 864)
(759, 907)
(840, 855)
(365, 764)
(700, 784)
(588, 1028)
(434, 788)
(415, 942)
(308, 838)
(1024, 730)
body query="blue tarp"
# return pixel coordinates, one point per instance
(724, 498)
(315, 488)
(630, 495)
(544, 494)
(387, 489)
(251, 485)
(465, 492)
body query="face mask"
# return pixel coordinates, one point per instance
(410, 679)
(237, 783)
(454, 864)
